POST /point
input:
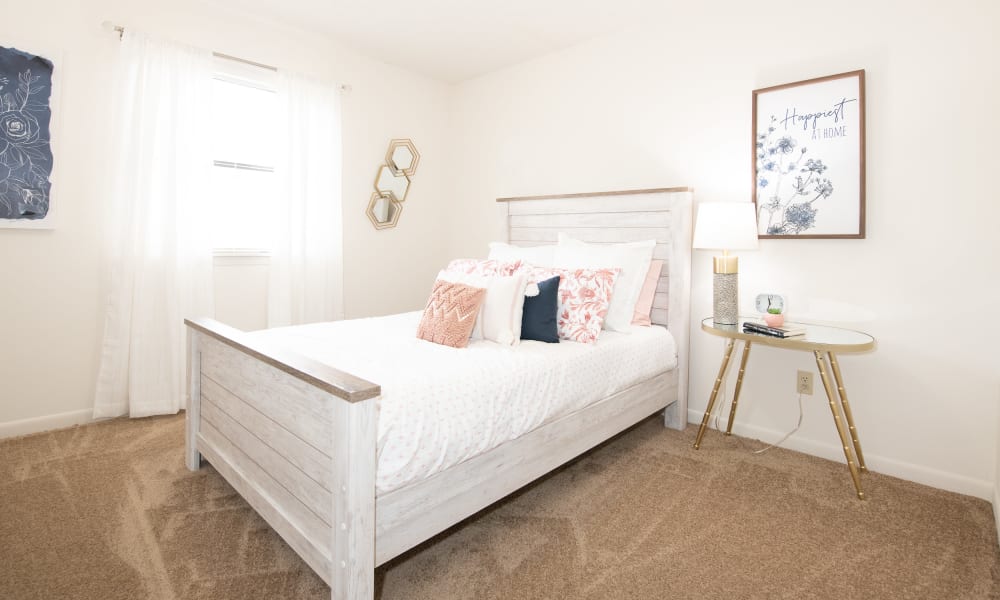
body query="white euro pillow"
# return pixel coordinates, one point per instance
(541, 256)
(632, 258)
(499, 318)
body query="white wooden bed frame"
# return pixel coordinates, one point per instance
(297, 439)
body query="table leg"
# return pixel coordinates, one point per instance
(715, 392)
(847, 412)
(834, 408)
(739, 386)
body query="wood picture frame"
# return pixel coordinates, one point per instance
(808, 158)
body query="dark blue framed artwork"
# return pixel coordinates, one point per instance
(25, 135)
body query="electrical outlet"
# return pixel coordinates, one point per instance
(804, 382)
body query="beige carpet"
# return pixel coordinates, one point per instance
(108, 511)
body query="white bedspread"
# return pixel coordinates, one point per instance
(441, 406)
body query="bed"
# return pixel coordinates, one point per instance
(298, 438)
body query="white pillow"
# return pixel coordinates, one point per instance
(541, 256)
(632, 258)
(499, 319)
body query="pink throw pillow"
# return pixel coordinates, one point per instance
(482, 268)
(450, 314)
(584, 297)
(645, 303)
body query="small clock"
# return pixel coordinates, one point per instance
(766, 301)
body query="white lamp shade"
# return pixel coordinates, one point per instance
(726, 226)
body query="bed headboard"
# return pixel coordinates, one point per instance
(627, 216)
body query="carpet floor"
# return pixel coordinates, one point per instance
(108, 511)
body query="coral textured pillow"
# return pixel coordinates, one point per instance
(584, 297)
(450, 314)
(499, 318)
(645, 303)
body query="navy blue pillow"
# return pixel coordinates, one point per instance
(539, 319)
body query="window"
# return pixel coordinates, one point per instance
(243, 184)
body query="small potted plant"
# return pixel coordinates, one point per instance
(774, 317)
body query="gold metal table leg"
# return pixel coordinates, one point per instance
(739, 385)
(834, 408)
(715, 392)
(847, 412)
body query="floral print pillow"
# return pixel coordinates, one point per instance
(483, 268)
(584, 297)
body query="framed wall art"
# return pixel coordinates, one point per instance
(26, 124)
(809, 158)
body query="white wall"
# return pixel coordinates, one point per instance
(668, 104)
(51, 282)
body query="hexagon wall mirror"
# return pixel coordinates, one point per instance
(392, 183)
(402, 157)
(383, 211)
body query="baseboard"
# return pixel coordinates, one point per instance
(875, 463)
(996, 508)
(46, 423)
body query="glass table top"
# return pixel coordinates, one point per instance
(817, 337)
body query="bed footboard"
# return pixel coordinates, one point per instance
(297, 439)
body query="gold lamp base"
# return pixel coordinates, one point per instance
(725, 264)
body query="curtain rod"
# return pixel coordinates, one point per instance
(120, 30)
(244, 61)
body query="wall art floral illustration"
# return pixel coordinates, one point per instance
(25, 141)
(808, 158)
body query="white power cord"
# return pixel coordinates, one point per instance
(787, 435)
(720, 405)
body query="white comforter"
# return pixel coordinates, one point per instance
(441, 406)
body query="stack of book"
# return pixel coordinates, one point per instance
(765, 329)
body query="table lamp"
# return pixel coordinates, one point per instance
(725, 226)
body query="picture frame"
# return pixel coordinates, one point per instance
(33, 149)
(808, 158)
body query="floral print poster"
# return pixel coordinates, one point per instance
(808, 161)
(25, 149)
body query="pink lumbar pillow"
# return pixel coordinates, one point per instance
(645, 303)
(450, 314)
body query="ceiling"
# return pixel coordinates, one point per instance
(453, 40)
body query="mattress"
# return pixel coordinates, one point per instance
(441, 406)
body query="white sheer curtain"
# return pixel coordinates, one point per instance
(306, 274)
(159, 255)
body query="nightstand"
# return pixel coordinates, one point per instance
(824, 342)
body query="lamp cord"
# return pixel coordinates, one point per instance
(787, 435)
(720, 406)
